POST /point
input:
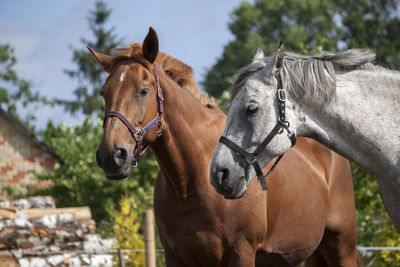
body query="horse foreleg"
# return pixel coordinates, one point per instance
(315, 260)
(338, 249)
(171, 261)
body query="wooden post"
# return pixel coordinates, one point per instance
(149, 239)
(121, 258)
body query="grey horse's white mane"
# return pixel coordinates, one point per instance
(310, 78)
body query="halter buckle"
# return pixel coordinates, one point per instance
(281, 95)
(159, 118)
(159, 92)
(251, 159)
(159, 124)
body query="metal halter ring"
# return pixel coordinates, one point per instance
(290, 133)
(138, 136)
(134, 163)
(285, 123)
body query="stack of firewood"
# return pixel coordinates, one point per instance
(34, 232)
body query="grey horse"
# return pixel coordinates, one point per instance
(341, 100)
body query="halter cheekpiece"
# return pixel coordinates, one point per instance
(139, 134)
(251, 158)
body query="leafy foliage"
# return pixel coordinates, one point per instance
(374, 226)
(303, 25)
(306, 27)
(89, 73)
(372, 24)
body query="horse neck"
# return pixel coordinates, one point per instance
(361, 123)
(190, 135)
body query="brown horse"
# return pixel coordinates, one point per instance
(309, 206)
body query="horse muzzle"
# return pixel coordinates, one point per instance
(115, 162)
(224, 184)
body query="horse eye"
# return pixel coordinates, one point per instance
(251, 110)
(143, 92)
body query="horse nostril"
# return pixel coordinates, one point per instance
(120, 156)
(222, 175)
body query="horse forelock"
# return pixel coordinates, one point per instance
(310, 78)
(175, 69)
(244, 73)
(131, 53)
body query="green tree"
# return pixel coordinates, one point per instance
(373, 24)
(89, 73)
(307, 26)
(302, 25)
(15, 91)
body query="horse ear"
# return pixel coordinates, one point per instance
(150, 46)
(259, 55)
(104, 60)
(279, 56)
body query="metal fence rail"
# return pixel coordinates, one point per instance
(377, 248)
(19, 253)
(111, 251)
(61, 252)
(120, 252)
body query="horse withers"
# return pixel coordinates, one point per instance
(151, 99)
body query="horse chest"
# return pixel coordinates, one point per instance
(192, 244)
(191, 234)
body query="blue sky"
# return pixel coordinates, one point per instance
(43, 32)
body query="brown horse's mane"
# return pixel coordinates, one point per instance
(178, 71)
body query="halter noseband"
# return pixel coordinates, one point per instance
(251, 158)
(139, 134)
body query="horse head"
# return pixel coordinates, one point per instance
(255, 110)
(132, 106)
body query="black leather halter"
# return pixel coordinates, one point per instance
(251, 158)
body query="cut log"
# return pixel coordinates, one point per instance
(7, 212)
(81, 213)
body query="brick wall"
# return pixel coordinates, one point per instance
(20, 155)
